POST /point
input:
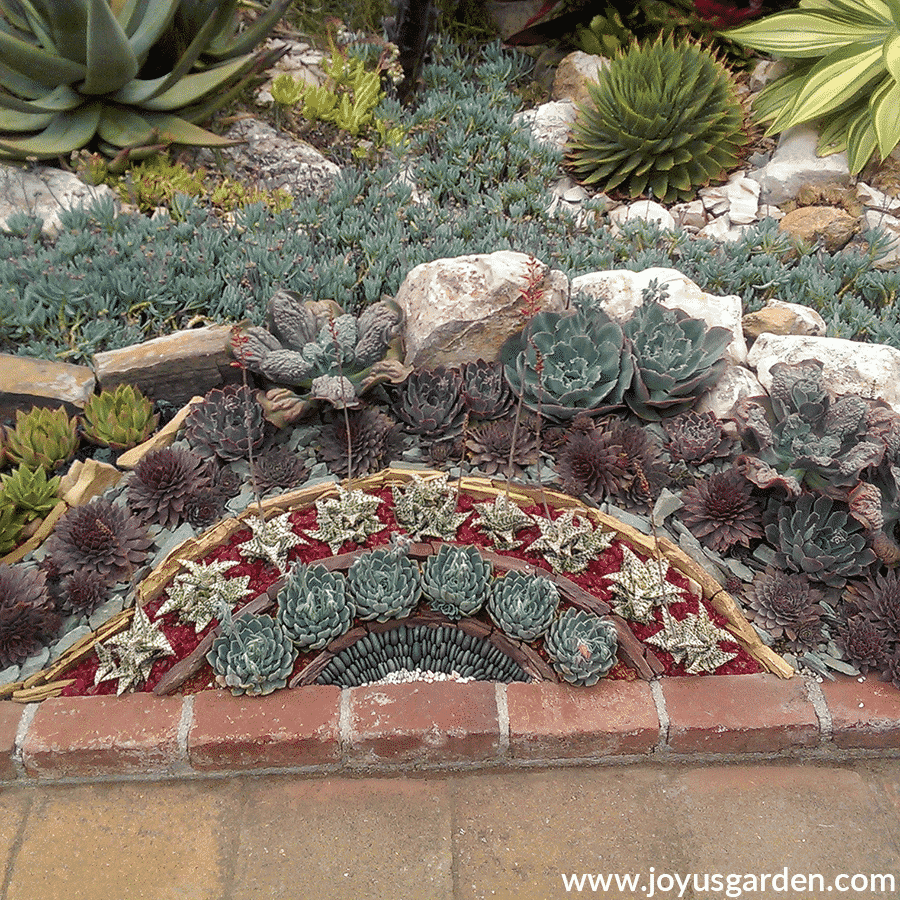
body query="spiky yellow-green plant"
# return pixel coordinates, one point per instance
(119, 418)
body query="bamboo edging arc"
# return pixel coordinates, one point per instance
(478, 487)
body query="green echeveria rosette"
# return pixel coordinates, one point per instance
(523, 605)
(567, 364)
(582, 646)
(313, 607)
(254, 656)
(384, 584)
(818, 536)
(663, 118)
(676, 359)
(456, 581)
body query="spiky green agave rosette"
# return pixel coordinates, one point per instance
(664, 118)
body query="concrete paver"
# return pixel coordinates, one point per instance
(460, 836)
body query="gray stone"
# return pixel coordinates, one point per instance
(44, 192)
(890, 224)
(300, 62)
(714, 200)
(68, 639)
(619, 293)
(176, 367)
(795, 164)
(742, 194)
(239, 503)
(573, 74)
(511, 17)
(736, 383)
(549, 123)
(105, 611)
(34, 663)
(689, 215)
(875, 199)
(10, 674)
(272, 159)
(648, 210)
(766, 71)
(721, 229)
(28, 382)
(463, 309)
(850, 367)
(172, 539)
(779, 317)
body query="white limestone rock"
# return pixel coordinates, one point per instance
(45, 192)
(795, 164)
(850, 367)
(549, 123)
(462, 309)
(618, 292)
(742, 194)
(737, 383)
(648, 210)
(875, 199)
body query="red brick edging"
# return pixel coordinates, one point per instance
(444, 725)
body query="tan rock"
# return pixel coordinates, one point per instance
(573, 75)
(86, 480)
(28, 382)
(175, 367)
(779, 317)
(165, 437)
(831, 227)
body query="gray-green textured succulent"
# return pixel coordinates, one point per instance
(252, 655)
(456, 580)
(523, 605)
(501, 519)
(313, 607)
(569, 363)
(582, 646)
(663, 118)
(817, 536)
(76, 71)
(384, 584)
(676, 359)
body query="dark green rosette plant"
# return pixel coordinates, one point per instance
(523, 605)
(456, 580)
(569, 363)
(384, 584)
(252, 655)
(582, 646)
(661, 118)
(76, 71)
(846, 74)
(818, 536)
(313, 607)
(676, 359)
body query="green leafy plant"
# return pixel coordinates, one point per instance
(456, 580)
(30, 491)
(252, 655)
(582, 646)
(663, 118)
(42, 438)
(119, 418)
(847, 74)
(676, 359)
(313, 607)
(76, 71)
(568, 364)
(384, 584)
(12, 523)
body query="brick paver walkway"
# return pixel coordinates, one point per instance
(457, 836)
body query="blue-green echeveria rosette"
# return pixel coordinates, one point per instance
(582, 646)
(819, 537)
(523, 605)
(252, 656)
(313, 607)
(456, 581)
(568, 364)
(676, 359)
(384, 584)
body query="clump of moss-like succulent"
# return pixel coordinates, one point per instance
(663, 118)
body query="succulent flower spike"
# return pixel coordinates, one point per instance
(120, 418)
(80, 71)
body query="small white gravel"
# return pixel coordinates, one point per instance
(408, 676)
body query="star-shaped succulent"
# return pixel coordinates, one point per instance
(351, 516)
(694, 641)
(568, 544)
(427, 508)
(129, 656)
(501, 520)
(197, 595)
(272, 540)
(639, 586)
